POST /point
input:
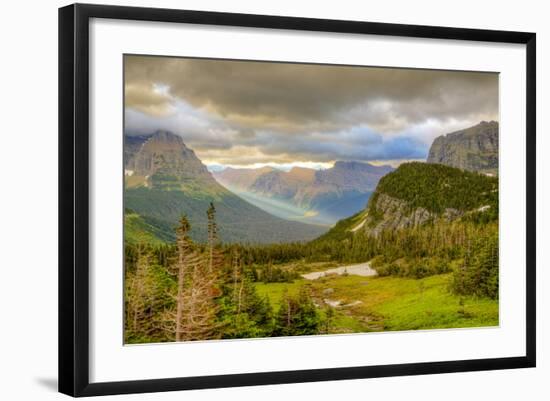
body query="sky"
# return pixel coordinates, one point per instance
(251, 114)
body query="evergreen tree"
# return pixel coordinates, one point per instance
(243, 313)
(297, 315)
(214, 255)
(479, 274)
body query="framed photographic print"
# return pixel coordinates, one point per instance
(250, 199)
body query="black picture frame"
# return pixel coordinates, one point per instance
(74, 198)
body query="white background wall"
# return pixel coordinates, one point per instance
(28, 200)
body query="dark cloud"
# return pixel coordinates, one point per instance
(310, 97)
(315, 112)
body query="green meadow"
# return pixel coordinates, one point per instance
(389, 303)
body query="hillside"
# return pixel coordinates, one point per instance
(473, 149)
(418, 193)
(165, 179)
(142, 229)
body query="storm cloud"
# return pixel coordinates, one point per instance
(252, 112)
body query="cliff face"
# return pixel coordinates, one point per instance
(473, 149)
(163, 161)
(394, 214)
(164, 152)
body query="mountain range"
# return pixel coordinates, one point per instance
(473, 149)
(326, 195)
(165, 179)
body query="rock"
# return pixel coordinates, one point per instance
(332, 302)
(165, 155)
(474, 148)
(396, 214)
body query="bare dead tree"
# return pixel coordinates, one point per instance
(140, 294)
(194, 317)
(238, 281)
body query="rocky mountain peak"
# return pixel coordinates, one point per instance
(164, 135)
(474, 148)
(164, 156)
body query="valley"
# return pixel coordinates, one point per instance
(276, 199)
(416, 251)
(321, 196)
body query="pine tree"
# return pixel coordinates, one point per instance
(214, 254)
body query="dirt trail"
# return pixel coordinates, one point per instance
(361, 269)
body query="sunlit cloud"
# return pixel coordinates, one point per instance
(279, 166)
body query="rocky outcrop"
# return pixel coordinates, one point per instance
(388, 213)
(418, 194)
(473, 149)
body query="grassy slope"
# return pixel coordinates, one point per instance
(138, 229)
(393, 303)
(238, 221)
(343, 228)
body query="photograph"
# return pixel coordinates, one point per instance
(278, 199)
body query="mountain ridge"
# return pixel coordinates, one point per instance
(419, 193)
